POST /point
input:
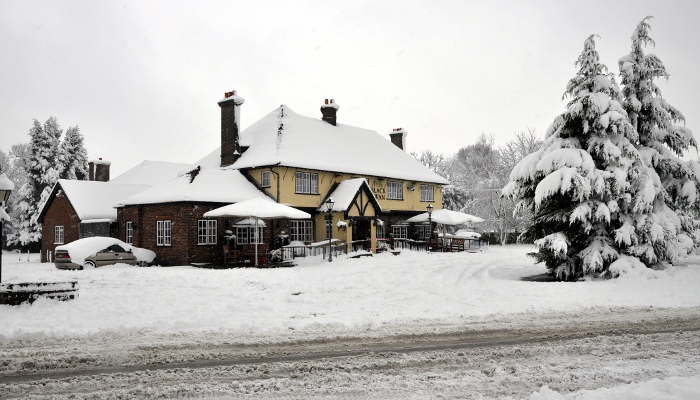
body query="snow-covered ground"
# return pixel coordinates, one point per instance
(413, 293)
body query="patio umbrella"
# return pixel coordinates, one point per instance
(446, 217)
(259, 209)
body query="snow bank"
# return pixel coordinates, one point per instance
(671, 388)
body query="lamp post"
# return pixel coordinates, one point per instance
(430, 226)
(329, 206)
(6, 187)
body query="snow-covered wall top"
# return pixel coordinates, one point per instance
(101, 161)
(152, 173)
(94, 200)
(209, 185)
(287, 138)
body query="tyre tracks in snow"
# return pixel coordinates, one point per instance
(162, 358)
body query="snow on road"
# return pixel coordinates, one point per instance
(413, 293)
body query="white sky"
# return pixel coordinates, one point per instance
(142, 79)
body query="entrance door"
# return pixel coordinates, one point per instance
(362, 230)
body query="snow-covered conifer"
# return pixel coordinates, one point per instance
(586, 186)
(661, 143)
(43, 169)
(74, 155)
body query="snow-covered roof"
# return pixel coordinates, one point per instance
(286, 138)
(214, 185)
(151, 172)
(344, 194)
(95, 200)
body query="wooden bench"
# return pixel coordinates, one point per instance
(457, 244)
(249, 253)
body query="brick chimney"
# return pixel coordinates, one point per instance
(98, 170)
(230, 123)
(398, 137)
(330, 110)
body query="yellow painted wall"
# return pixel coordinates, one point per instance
(338, 233)
(287, 188)
(287, 195)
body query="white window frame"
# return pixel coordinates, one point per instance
(265, 179)
(164, 233)
(246, 235)
(206, 231)
(301, 230)
(394, 190)
(423, 231)
(129, 232)
(427, 193)
(380, 231)
(306, 183)
(400, 231)
(59, 232)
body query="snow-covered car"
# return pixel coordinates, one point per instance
(98, 251)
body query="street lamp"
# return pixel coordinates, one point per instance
(430, 225)
(329, 206)
(6, 187)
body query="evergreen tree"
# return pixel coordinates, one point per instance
(586, 186)
(661, 143)
(43, 170)
(16, 170)
(74, 156)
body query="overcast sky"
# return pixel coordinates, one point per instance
(142, 79)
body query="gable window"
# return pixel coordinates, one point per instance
(400, 231)
(301, 230)
(58, 234)
(206, 231)
(129, 237)
(394, 190)
(265, 179)
(164, 233)
(427, 193)
(307, 182)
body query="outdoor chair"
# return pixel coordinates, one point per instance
(435, 245)
(232, 255)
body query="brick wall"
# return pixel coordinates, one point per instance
(184, 249)
(60, 212)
